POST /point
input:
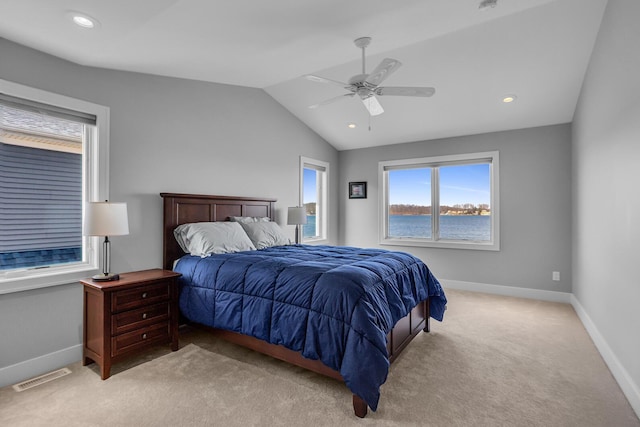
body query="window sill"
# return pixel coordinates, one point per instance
(24, 280)
(313, 241)
(488, 246)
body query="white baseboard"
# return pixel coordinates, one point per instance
(39, 365)
(626, 383)
(624, 380)
(509, 291)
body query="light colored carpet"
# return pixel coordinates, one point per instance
(494, 361)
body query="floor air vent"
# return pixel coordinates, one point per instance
(25, 385)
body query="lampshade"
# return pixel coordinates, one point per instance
(105, 219)
(297, 215)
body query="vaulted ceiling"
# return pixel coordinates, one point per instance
(537, 50)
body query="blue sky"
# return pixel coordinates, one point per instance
(458, 185)
(309, 190)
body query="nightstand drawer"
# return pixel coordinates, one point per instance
(139, 318)
(139, 296)
(140, 338)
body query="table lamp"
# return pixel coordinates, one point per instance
(297, 216)
(106, 219)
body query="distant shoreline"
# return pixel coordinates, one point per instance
(444, 214)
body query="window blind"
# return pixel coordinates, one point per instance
(41, 199)
(40, 189)
(47, 110)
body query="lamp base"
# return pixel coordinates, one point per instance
(105, 277)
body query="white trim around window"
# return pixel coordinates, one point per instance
(95, 187)
(434, 163)
(322, 194)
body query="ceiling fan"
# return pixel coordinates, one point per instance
(367, 86)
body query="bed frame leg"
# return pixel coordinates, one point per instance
(359, 407)
(427, 315)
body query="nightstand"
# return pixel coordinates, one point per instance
(128, 315)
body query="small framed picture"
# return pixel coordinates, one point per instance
(357, 190)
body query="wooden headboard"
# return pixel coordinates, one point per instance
(185, 208)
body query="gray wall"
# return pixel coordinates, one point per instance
(606, 157)
(167, 135)
(535, 207)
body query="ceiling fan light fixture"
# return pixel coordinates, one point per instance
(373, 106)
(508, 99)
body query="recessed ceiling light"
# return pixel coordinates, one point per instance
(351, 125)
(83, 20)
(509, 98)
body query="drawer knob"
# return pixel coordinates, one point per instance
(144, 336)
(144, 315)
(144, 295)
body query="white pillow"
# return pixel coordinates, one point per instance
(206, 238)
(249, 218)
(265, 234)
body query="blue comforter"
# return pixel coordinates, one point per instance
(333, 304)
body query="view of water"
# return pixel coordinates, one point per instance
(309, 229)
(453, 227)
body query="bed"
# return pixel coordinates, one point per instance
(345, 312)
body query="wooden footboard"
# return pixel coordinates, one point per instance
(407, 328)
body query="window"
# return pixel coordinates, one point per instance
(448, 201)
(314, 177)
(53, 159)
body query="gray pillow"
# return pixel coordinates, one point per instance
(206, 238)
(265, 234)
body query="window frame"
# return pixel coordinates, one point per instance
(322, 204)
(435, 162)
(95, 187)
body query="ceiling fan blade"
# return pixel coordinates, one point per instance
(382, 71)
(319, 79)
(373, 106)
(331, 100)
(405, 91)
